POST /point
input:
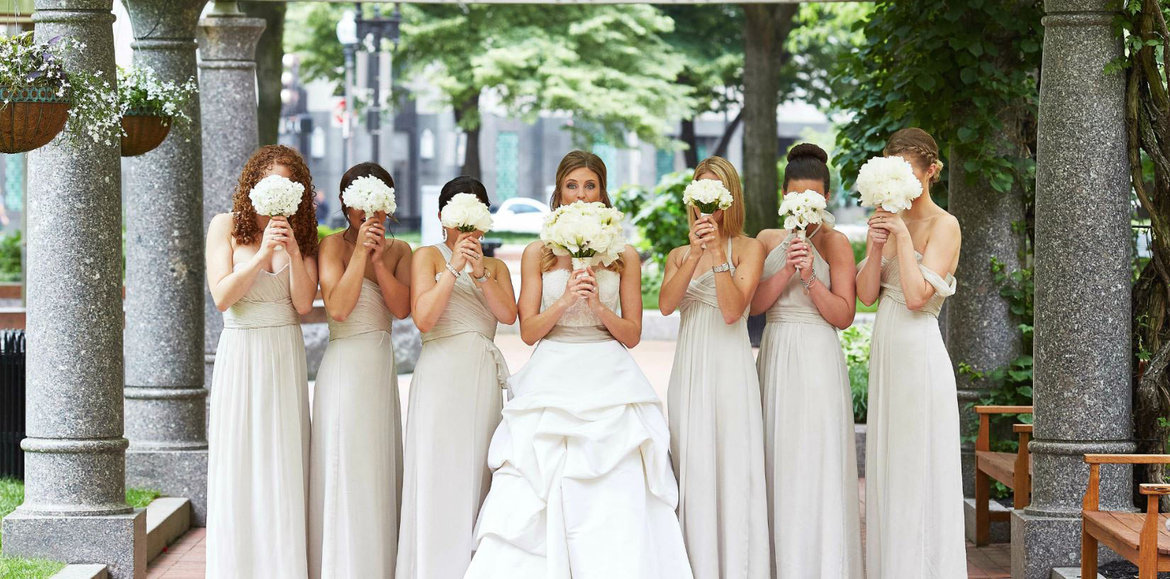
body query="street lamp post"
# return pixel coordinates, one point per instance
(379, 28)
(347, 35)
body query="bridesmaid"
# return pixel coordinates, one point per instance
(914, 492)
(262, 273)
(716, 429)
(455, 396)
(809, 448)
(355, 469)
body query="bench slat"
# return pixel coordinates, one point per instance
(1123, 530)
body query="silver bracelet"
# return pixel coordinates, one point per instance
(487, 274)
(453, 271)
(725, 266)
(812, 280)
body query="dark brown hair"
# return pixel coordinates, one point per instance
(304, 223)
(367, 169)
(807, 161)
(463, 184)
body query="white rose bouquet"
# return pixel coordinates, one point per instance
(803, 209)
(708, 195)
(370, 195)
(466, 213)
(590, 233)
(889, 183)
(275, 195)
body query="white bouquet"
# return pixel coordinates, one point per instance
(708, 195)
(466, 213)
(275, 195)
(801, 210)
(889, 183)
(590, 233)
(370, 195)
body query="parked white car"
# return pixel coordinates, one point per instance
(519, 215)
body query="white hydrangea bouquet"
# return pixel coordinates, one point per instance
(466, 213)
(590, 233)
(708, 195)
(889, 183)
(370, 195)
(800, 210)
(276, 195)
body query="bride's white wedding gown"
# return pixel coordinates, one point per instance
(582, 484)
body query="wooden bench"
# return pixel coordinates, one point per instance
(1142, 538)
(1012, 469)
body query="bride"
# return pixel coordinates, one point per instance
(582, 484)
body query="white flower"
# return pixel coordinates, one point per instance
(889, 183)
(803, 209)
(466, 212)
(708, 195)
(585, 230)
(370, 194)
(275, 195)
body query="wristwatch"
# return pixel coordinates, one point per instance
(725, 266)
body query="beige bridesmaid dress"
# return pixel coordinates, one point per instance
(914, 488)
(809, 451)
(356, 457)
(456, 396)
(717, 440)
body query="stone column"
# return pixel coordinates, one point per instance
(166, 412)
(981, 330)
(75, 456)
(227, 84)
(1082, 338)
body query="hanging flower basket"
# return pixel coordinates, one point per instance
(142, 133)
(31, 118)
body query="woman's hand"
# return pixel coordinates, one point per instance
(371, 238)
(890, 223)
(290, 240)
(712, 239)
(277, 234)
(472, 249)
(591, 295)
(700, 228)
(799, 258)
(580, 284)
(459, 255)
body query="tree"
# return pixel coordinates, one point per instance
(1147, 116)
(606, 65)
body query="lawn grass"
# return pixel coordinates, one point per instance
(11, 495)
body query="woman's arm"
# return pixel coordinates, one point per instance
(770, 288)
(429, 296)
(681, 263)
(341, 284)
(228, 286)
(497, 291)
(535, 324)
(940, 256)
(392, 270)
(735, 292)
(626, 328)
(869, 279)
(838, 306)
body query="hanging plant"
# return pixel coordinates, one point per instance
(149, 108)
(39, 97)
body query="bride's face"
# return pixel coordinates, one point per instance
(580, 184)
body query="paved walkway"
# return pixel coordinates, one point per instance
(186, 559)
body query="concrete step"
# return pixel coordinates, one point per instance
(82, 571)
(1070, 573)
(167, 518)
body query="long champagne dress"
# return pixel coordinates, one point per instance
(455, 402)
(913, 485)
(809, 448)
(258, 440)
(717, 440)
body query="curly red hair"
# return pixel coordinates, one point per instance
(304, 222)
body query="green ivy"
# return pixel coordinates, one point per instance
(658, 214)
(855, 342)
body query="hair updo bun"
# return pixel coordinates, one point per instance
(808, 150)
(807, 161)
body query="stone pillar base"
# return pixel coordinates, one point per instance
(176, 473)
(117, 541)
(1043, 542)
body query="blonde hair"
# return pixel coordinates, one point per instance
(918, 147)
(733, 216)
(574, 160)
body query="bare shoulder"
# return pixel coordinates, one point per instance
(630, 256)
(221, 222)
(946, 225)
(771, 237)
(749, 244)
(677, 253)
(533, 248)
(400, 247)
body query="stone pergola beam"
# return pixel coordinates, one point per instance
(1082, 333)
(74, 505)
(166, 412)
